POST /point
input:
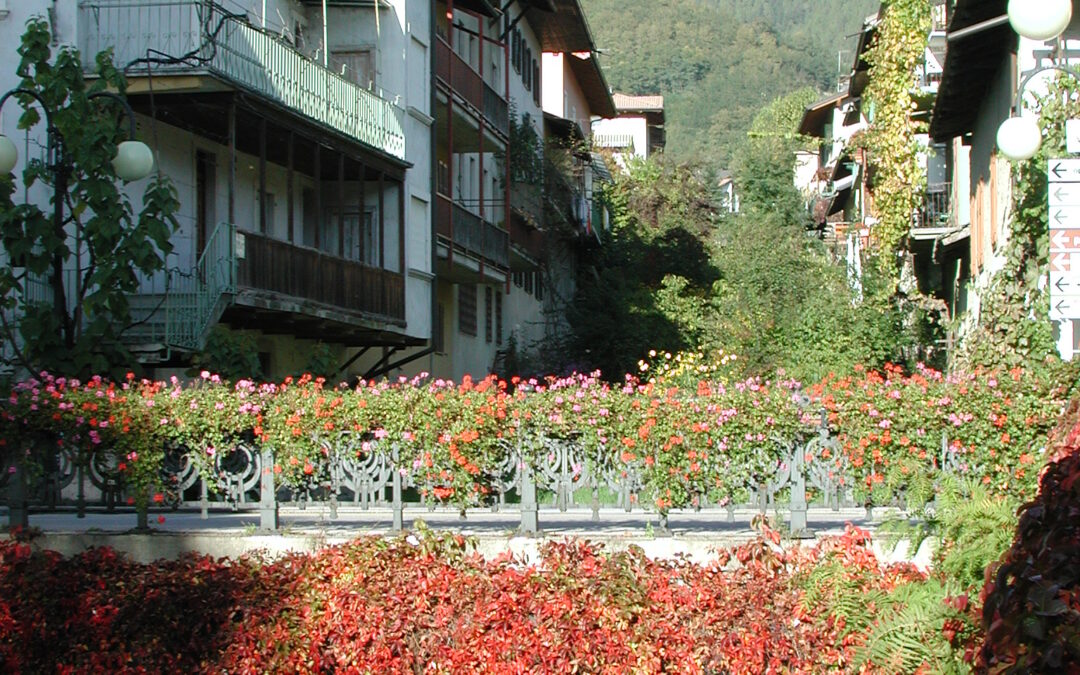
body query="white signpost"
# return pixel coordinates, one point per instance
(1064, 216)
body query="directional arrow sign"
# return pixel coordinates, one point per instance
(1063, 170)
(1062, 262)
(1065, 307)
(1062, 284)
(1064, 240)
(1064, 194)
(1064, 217)
(1072, 135)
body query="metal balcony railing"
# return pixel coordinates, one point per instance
(471, 233)
(178, 36)
(935, 210)
(467, 83)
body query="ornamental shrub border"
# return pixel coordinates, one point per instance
(708, 440)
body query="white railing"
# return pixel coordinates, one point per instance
(190, 35)
(613, 140)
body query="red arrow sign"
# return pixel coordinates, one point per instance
(1064, 240)
(1060, 262)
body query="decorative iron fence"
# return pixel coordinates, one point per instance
(359, 472)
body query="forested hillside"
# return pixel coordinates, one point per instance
(718, 62)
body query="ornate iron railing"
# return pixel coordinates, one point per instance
(174, 36)
(357, 471)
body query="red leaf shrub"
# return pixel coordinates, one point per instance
(1031, 610)
(415, 604)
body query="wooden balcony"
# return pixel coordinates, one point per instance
(305, 274)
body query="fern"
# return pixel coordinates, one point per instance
(976, 528)
(908, 637)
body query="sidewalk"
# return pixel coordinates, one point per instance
(697, 535)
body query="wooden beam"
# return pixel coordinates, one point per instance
(290, 186)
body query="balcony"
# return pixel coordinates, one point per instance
(527, 239)
(270, 265)
(466, 82)
(193, 37)
(934, 215)
(471, 233)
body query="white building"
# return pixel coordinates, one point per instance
(636, 130)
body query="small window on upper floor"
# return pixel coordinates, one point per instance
(355, 65)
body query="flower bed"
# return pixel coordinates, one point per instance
(421, 603)
(702, 441)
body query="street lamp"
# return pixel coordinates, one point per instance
(1019, 137)
(133, 161)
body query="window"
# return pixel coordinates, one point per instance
(355, 65)
(515, 50)
(498, 316)
(362, 237)
(489, 311)
(540, 285)
(528, 282)
(205, 197)
(536, 82)
(527, 66)
(271, 201)
(467, 309)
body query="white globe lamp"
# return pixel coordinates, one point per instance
(1019, 138)
(8, 155)
(1040, 19)
(133, 161)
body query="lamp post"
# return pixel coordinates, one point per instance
(133, 161)
(1019, 137)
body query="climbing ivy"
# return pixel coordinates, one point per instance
(1013, 324)
(894, 153)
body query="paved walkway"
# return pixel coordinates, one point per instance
(697, 535)
(354, 521)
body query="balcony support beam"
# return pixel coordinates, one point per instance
(289, 186)
(341, 205)
(232, 160)
(382, 222)
(318, 194)
(262, 175)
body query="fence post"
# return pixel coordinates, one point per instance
(268, 507)
(799, 530)
(18, 511)
(80, 502)
(398, 503)
(530, 516)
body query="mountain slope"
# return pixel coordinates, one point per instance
(718, 62)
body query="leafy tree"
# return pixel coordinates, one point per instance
(651, 278)
(74, 276)
(765, 162)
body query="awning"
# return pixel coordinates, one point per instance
(818, 114)
(971, 64)
(844, 183)
(587, 71)
(600, 168)
(563, 29)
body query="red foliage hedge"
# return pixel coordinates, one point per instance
(411, 605)
(1031, 610)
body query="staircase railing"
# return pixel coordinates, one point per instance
(195, 301)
